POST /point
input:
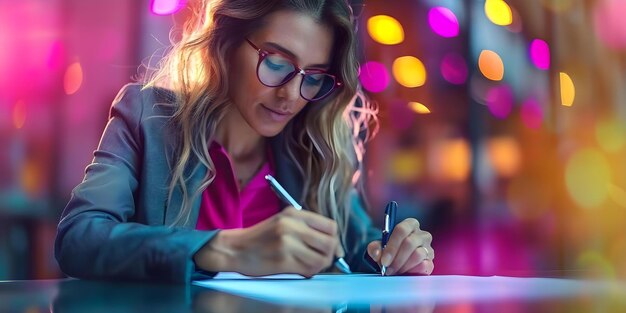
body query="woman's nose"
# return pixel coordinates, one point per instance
(291, 90)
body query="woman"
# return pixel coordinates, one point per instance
(176, 189)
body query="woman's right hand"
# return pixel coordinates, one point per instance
(292, 241)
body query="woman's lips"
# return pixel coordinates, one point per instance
(277, 116)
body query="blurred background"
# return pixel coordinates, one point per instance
(502, 123)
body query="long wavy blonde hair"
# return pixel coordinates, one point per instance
(325, 140)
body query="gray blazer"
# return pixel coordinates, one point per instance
(114, 226)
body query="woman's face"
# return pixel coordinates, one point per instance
(293, 35)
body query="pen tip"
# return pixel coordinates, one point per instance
(343, 266)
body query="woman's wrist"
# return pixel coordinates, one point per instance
(218, 254)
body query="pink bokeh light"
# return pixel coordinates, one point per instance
(32, 51)
(374, 76)
(531, 113)
(454, 68)
(166, 7)
(540, 54)
(500, 101)
(443, 22)
(610, 24)
(56, 55)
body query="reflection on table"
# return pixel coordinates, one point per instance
(95, 296)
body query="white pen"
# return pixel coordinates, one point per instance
(340, 263)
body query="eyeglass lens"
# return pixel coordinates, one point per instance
(276, 70)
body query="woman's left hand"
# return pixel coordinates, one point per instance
(408, 250)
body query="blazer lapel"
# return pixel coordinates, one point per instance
(195, 174)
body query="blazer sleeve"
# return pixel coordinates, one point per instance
(97, 236)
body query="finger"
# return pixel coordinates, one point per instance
(308, 262)
(314, 239)
(339, 249)
(399, 233)
(407, 248)
(373, 249)
(425, 267)
(322, 224)
(316, 221)
(416, 258)
(431, 252)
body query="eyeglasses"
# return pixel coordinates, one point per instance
(274, 70)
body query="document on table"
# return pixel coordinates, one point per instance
(327, 289)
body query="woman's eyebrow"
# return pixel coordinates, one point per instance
(293, 56)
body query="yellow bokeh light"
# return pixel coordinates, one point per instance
(406, 166)
(505, 155)
(73, 78)
(30, 177)
(618, 195)
(568, 91)
(611, 135)
(451, 160)
(490, 65)
(19, 114)
(588, 178)
(419, 108)
(596, 265)
(498, 12)
(409, 71)
(385, 29)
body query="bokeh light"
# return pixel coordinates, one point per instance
(609, 23)
(454, 68)
(73, 78)
(166, 7)
(498, 12)
(30, 177)
(55, 55)
(618, 195)
(385, 30)
(597, 264)
(374, 76)
(419, 108)
(540, 54)
(451, 160)
(611, 134)
(531, 113)
(588, 177)
(568, 90)
(491, 65)
(409, 71)
(500, 101)
(406, 165)
(517, 24)
(505, 155)
(19, 114)
(443, 22)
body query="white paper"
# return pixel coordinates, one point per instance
(328, 289)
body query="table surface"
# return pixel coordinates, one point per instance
(69, 295)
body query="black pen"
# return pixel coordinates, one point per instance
(340, 263)
(390, 221)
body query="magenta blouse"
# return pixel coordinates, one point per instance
(223, 206)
